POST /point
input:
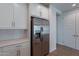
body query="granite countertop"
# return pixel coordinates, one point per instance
(11, 42)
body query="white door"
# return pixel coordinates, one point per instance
(77, 31)
(69, 30)
(20, 16)
(6, 15)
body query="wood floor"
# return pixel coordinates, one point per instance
(64, 51)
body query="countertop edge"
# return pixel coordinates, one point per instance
(4, 43)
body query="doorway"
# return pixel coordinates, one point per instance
(58, 29)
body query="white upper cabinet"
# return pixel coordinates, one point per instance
(44, 12)
(13, 16)
(20, 16)
(6, 15)
(35, 10)
(39, 10)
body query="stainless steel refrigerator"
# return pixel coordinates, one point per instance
(39, 36)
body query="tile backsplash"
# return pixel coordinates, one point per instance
(6, 34)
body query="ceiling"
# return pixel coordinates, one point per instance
(45, 4)
(65, 6)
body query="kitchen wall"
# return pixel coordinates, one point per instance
(52, 19)
(6, 34)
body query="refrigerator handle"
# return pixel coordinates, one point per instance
(41, 29)
(41, 37)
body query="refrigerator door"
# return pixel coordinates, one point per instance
(45, 37)
(39, 37)
(36, 43)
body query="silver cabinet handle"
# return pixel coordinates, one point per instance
(18, 46)
(13, 24)
(75, 35)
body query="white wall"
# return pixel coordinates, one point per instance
(9, 34)
(52, 18)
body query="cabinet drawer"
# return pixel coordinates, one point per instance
(25, 44)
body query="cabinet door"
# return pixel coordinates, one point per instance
(69, 30)
(0, 51)
(77, 31)
(44, 12)
(35, 10)
(25, 49)
(20, 16)
(6, 15)
(9, 51)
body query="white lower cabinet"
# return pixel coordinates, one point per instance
(21, 49)
(0, 51)
(9, 51)
(25, 50)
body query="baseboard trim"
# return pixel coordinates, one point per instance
(52, 50)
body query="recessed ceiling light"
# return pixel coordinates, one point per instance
(73, 5)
